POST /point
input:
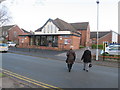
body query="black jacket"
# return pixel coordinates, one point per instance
(86, 56)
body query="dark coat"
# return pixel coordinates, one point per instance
(86, 56)
(71, 56)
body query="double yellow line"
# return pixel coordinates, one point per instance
(34, 82)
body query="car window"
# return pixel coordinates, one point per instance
(114, 48)
(4, 45)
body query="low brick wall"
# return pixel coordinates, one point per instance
(109, 58)
(40, 47)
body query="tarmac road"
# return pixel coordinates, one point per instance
(54, 72)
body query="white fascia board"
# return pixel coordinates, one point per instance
(59, 32)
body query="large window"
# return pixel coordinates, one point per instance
(49, 41)
(32, 40)
(43, 41)
(37, 40)
(55, 41)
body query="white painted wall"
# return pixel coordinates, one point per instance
(114, 37)
(51, 28)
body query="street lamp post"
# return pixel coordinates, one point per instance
(97, 27)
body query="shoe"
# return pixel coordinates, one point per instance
(86, 70)
(69, 70)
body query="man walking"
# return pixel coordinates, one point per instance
(70, 58)
(86, 59)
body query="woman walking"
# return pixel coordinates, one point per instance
(86, 59)
(71, 56)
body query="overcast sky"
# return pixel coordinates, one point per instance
(32, 14)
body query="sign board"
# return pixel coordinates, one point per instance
(67, 41)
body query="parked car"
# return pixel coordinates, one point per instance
(3, 47)
(112, 50)
(11, 44)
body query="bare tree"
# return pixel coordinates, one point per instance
(4, 17)
(1, 1)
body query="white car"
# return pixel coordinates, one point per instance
(3, 47)
(112, 50)
(11, 44)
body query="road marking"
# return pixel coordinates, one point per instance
(30, 80)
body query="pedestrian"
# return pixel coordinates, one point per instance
(71, 56)
(86, 58)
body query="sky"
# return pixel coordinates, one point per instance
(33, 14)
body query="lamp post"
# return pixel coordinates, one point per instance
(97, 27)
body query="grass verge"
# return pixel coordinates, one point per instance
(2, 75)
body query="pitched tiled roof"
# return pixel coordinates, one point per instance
(5, 28)
(25, 31)
(100, 34)
(63, 26)
(80, 26)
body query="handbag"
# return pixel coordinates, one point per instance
(66, 61)
(90, 65)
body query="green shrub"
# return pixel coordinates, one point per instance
(81, 46)
(94, 46)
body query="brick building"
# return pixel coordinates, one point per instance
(104, 36)
(54, 34)
(12, 32)
(84, 29)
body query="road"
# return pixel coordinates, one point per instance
(54, 72)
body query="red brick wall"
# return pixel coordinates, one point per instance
(119, 39)
(88, 36)
(24, 41)
(14, 32)
(85, 37)
(74, 41)
(107, 37)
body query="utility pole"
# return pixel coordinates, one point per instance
(97, 27)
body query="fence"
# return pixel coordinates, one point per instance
(108, 58)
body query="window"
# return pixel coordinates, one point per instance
(66, 36)
(44, 29)
(55, 41)
(43, 41)
(51, 29)
(15, 34)
(48, 29)
(37, 40)
(32, 40)
(6, 33)
(55, 30)
(49, 41)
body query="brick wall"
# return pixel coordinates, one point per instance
(24, 41)
(85, 37)
(72, 40)
(76, 42)
(119, 39)
(14, 32)
(107, 37)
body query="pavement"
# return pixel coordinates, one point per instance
(9, 82)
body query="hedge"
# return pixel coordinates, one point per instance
(94, 46)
